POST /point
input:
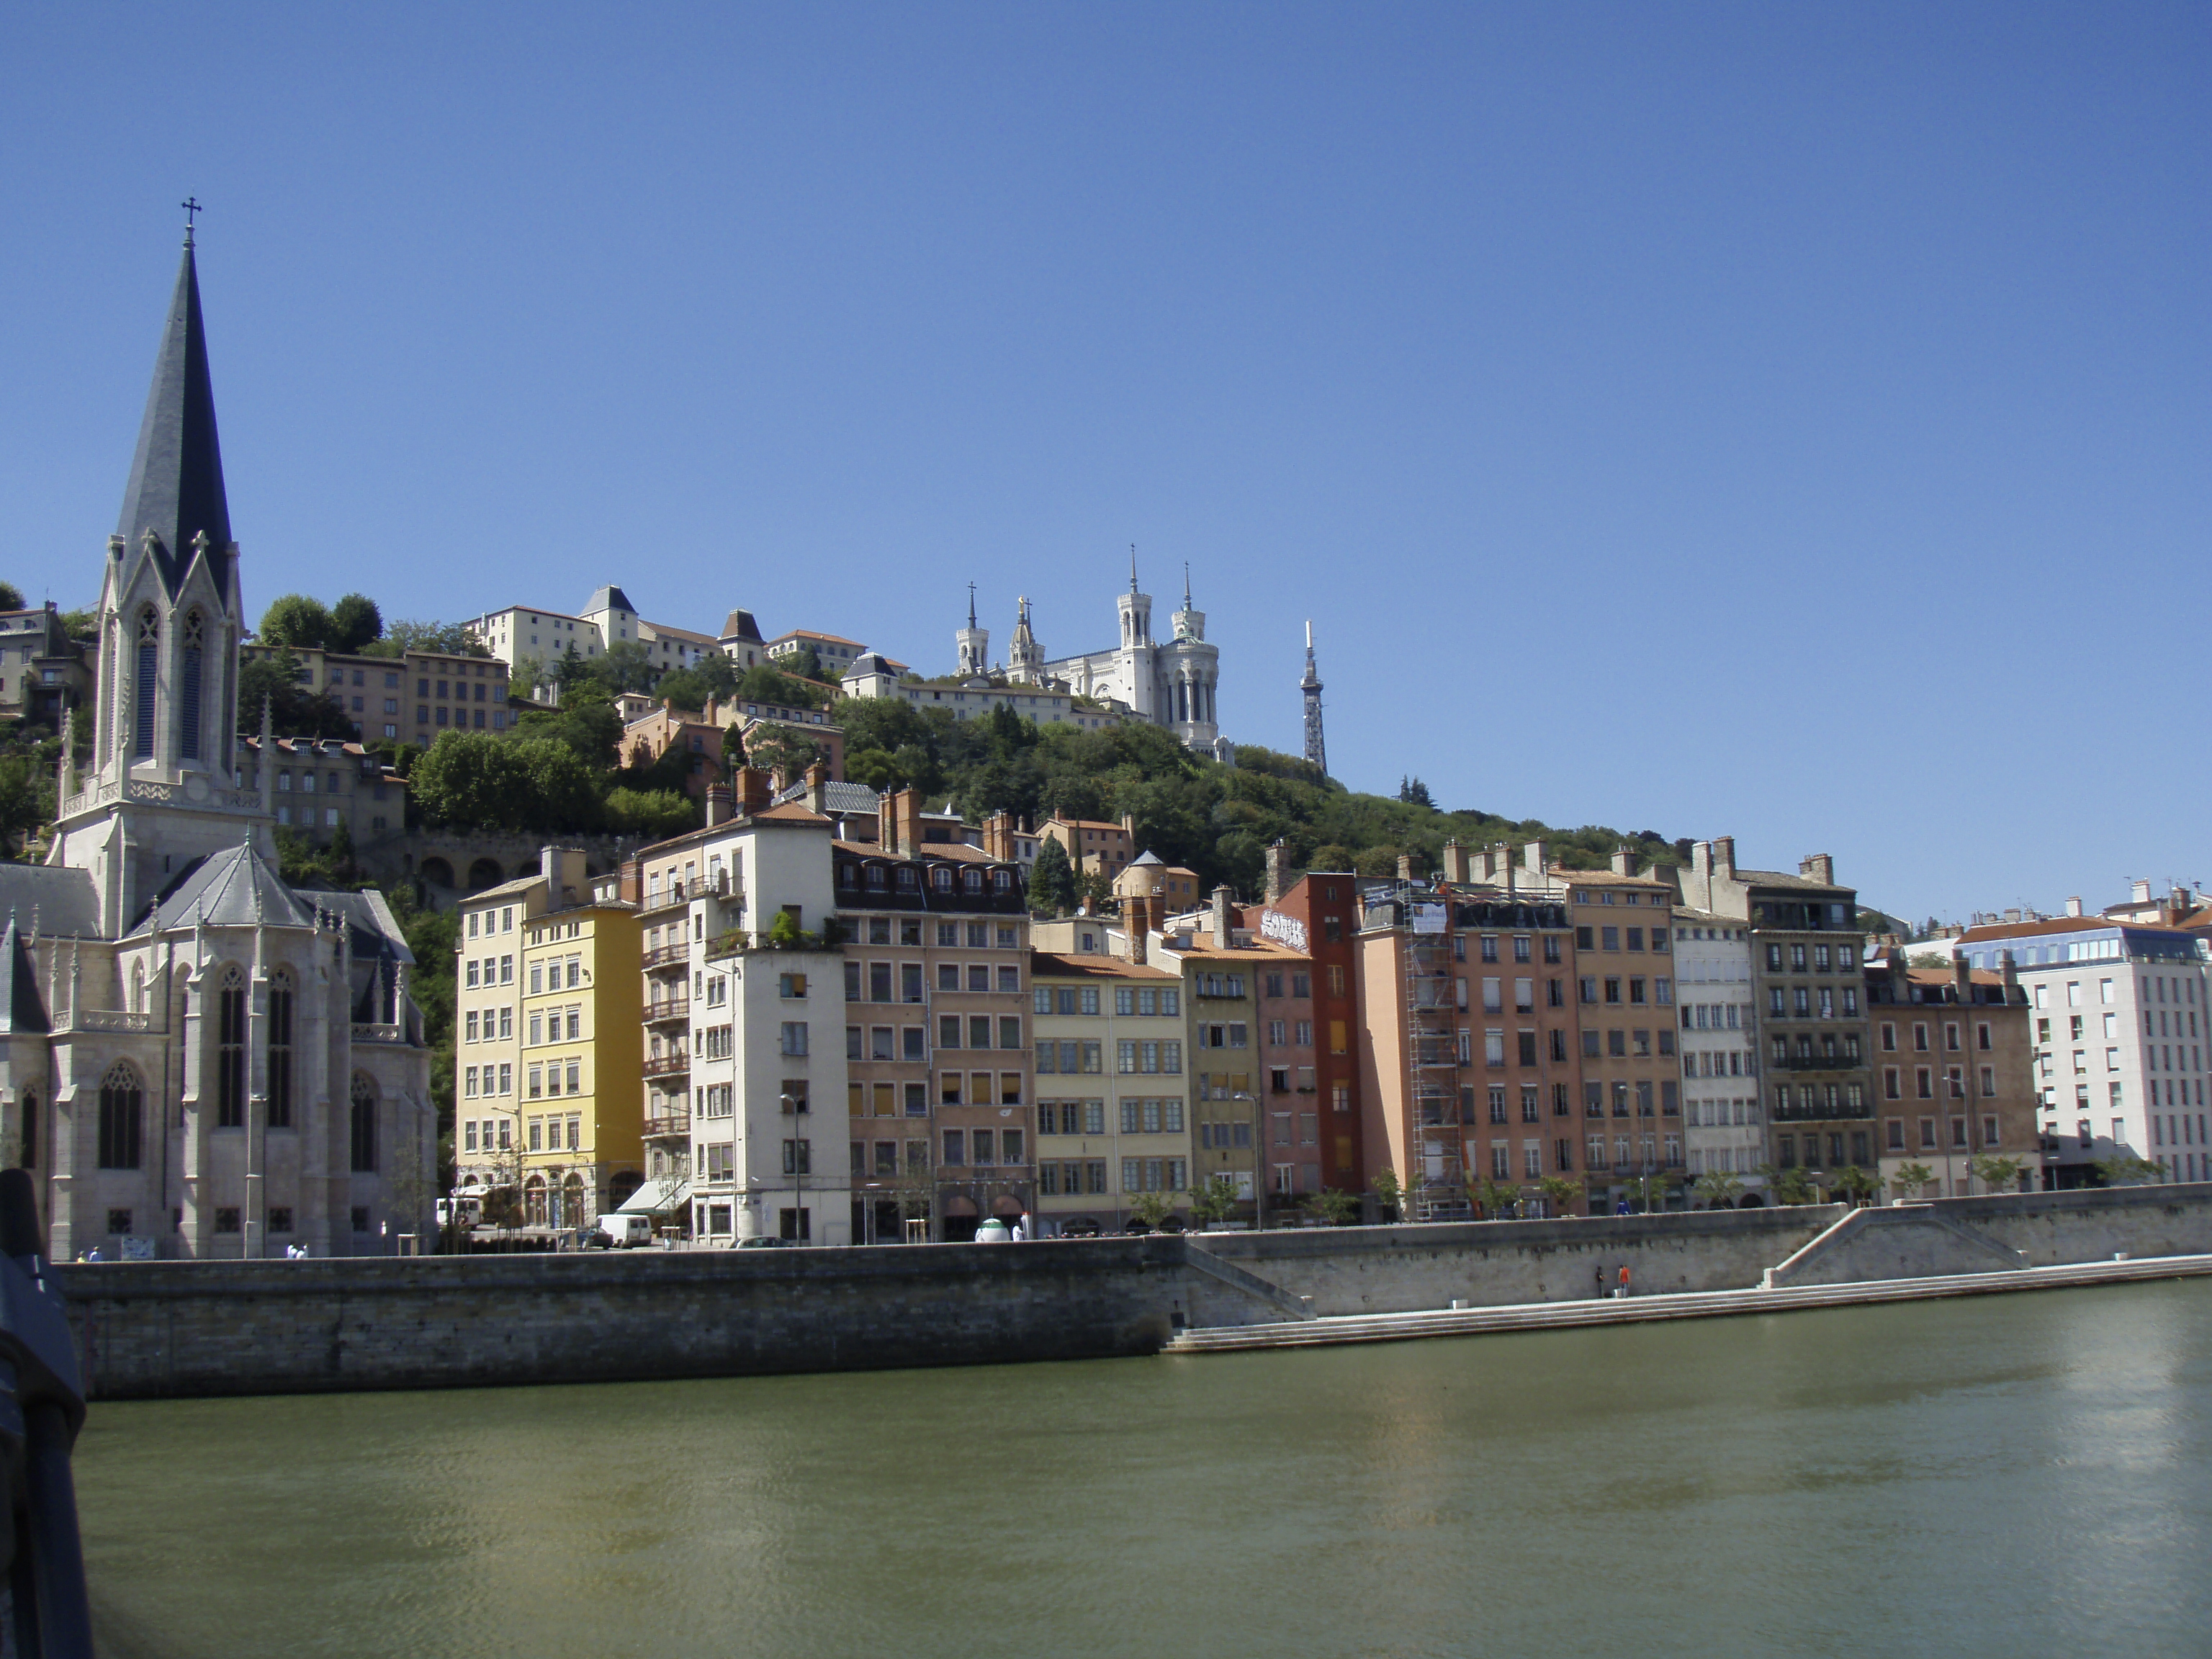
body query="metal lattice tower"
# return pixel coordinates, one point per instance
(1316, 750)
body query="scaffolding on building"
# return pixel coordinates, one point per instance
(1435, 1179)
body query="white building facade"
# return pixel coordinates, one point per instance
(761, 1064)
(2119, 1016)
(1719, 1044)
(1171, 683)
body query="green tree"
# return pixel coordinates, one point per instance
(1052, 880)
(654, 814)
(1152, 1208)
(11, 597)
(1856, 1184)
(1789, 1186)
(296, 710)
(1215, 1201)
(446, 639)
(782, 749)
(520, 783)
(1998, 1175)
(354, 621)
(2125, 1170)
(1497, 1198)
(1648, 1190)
(1389, 1193)
(1331, 1207)
(296, 620)
(26, 800)
(1718, 1189)
(1909, 1179)
(1558, 1194)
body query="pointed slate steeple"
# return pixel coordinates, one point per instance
(176, 478)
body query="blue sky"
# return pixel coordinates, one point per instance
(1789, 422)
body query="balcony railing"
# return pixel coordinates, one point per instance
(667, 1065)
(666, 954)
(1818, 1063)
(670, 1008)
(674, 1123)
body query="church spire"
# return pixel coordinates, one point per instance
(176, 478)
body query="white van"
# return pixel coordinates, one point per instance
(617, 1231)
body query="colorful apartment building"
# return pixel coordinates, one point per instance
(546, 1044)
(1109, 1130)
(744, 1079)
(1953, 1053)
(1317, 917)
(1806, 985)
(937, 1008)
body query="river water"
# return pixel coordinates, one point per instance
(2007, 1475)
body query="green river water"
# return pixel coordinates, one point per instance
(2013, 1475)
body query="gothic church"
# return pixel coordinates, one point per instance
(197, 1060)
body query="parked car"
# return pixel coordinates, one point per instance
(762, 1243)
(619, 1232)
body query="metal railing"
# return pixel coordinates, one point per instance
(670, 1008)
(667, 1065)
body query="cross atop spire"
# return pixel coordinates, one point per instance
(971, 605)
(1133, 566)
(191, 207)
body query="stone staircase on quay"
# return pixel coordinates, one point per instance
(1634, 1310)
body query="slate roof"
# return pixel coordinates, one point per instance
(234, 888)
(21, 1009)
(845, 800)
(176, 476)
(739, 625)
(60, 900)
(607, 597)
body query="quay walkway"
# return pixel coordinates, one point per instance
(1710, 1304)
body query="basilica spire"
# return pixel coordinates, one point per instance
(176, 489)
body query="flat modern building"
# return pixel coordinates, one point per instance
(1721, 1129)
(545, 1049)
(2119, 1038)
(1806, 985)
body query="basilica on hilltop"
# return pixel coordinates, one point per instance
(1170, 682)
(198, 1059)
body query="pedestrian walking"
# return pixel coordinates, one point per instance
(1624, 1280)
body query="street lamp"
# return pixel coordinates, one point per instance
(1259, 1166)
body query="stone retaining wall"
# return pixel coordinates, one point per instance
(186, 1327)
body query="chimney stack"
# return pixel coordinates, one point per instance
(2011, 973)
(1505, 866)
(1278, 858)
(2074, 905)
(1455, 864)
(1724, 856)
(631, 884)
(1536, 858)
(817, 788)
(718, 804)
(1139, 916)
(1405, 866)
(1818, 867)
(1962, 977)
(753, 792)
(1224, 938)
(2139, 891)
(1624, 862)
(563, 870)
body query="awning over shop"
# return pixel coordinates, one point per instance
(656, 1196)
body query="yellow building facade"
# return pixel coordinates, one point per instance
(547, 1045)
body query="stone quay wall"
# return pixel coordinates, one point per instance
(179, 1328)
